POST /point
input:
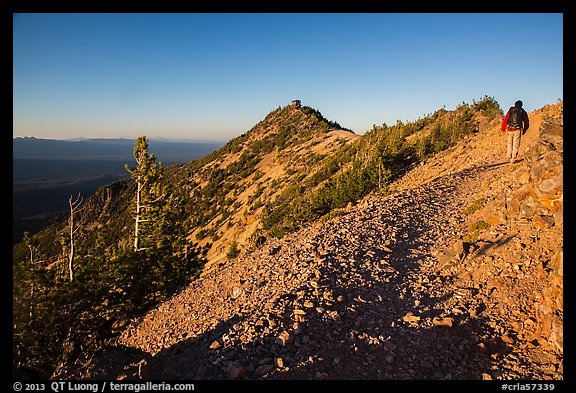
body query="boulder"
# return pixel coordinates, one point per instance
(549, 311)
(545, 160)
(539, 199)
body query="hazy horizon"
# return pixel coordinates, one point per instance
(214, 76)
(124, 137)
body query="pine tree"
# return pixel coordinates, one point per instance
(159, 229)
(147, 175)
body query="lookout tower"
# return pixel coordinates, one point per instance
(296, 103)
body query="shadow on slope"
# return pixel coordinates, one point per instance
(370, 313)
(373, 310)
(390, 322)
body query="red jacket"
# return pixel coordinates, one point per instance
(525, 121)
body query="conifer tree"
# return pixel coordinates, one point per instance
(147, 175)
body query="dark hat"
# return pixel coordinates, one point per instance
(518, 104)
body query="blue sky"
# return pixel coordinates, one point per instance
(214, 76)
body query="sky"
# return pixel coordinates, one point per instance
(215, 76)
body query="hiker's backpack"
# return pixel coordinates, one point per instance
(516, 117)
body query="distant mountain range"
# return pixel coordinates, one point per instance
(45, 172)
(109, 149)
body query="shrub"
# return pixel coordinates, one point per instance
(474, 230)
(331, 215)
(474, 207)
(233, 251)
(489, 106)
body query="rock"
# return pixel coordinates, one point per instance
(494, 218)
(200, 372)
(426, 364)
(389, 346)
(545, 160)
(543, 221)
(552, 299)
(455, 252)
(411, 319)
(120, 323)
(297, 328)
(523, 175)
(557, 333)
(284, 338)
(236, 371)
(335, 316)
(263, 370)
(327, 295)
(506, 339)
(265, 361)
(236, 292)
(551, 133)
(482, 347)
(559, 217)
(530, 206)
(446, 321)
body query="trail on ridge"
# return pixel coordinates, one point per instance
(384, 291)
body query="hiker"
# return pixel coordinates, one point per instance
(516, 123)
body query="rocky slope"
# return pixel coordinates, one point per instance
(227, 189)
(456, 275)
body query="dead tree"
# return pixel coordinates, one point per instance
(74, 208)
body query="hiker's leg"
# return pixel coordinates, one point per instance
(516, 144)
(509, 145)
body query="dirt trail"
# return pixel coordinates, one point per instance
(387, 290)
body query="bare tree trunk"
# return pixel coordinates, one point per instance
(32, 302)
(31, 255)
(71, 258)
(73, 208)
(137, 219)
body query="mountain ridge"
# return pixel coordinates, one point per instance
(274, 301)
(277, 150)
(105, 148)
(387, 290)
